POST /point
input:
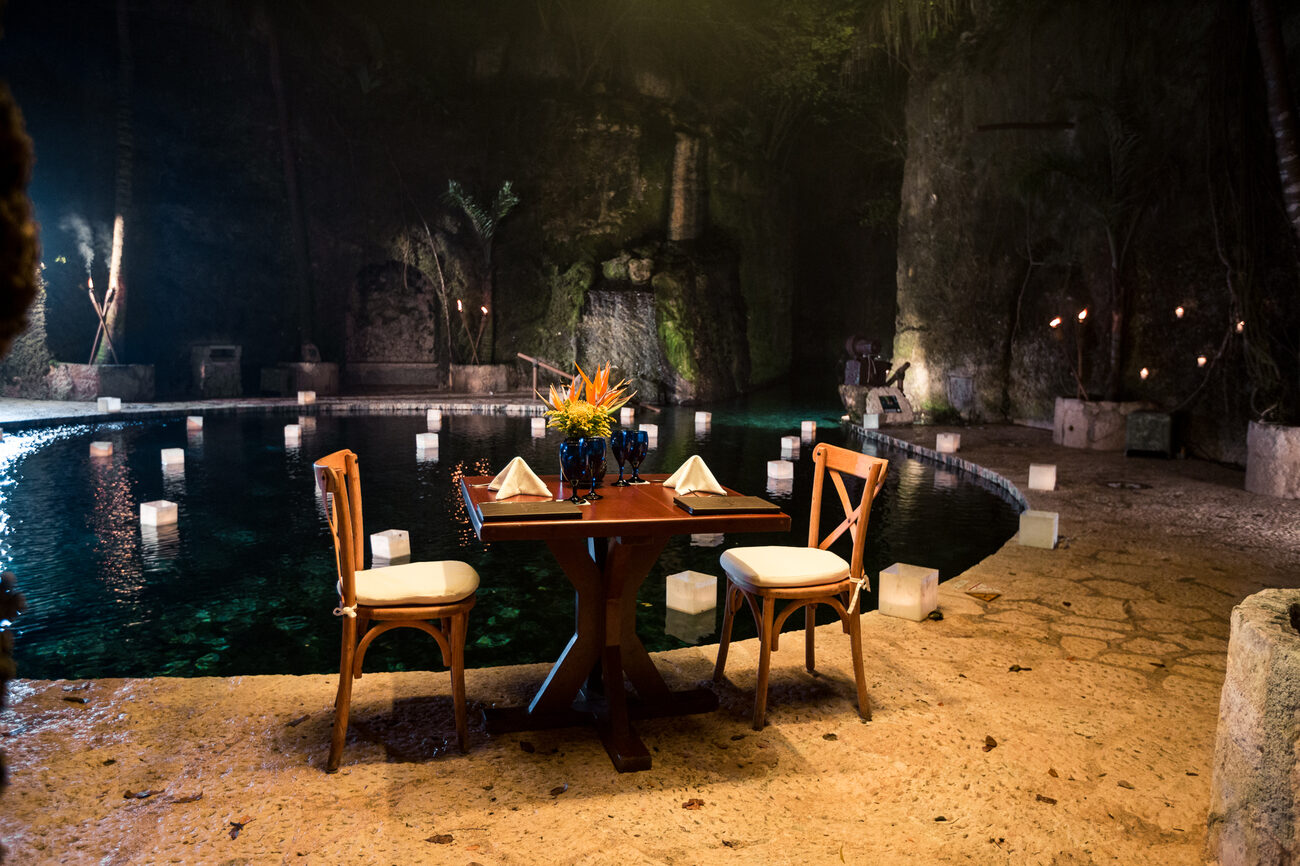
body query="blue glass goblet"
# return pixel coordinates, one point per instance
(636, 452)
(595, 454)
(572, 464)
(618, 443)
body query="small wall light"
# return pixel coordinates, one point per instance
(1178, 312)
(1144, 373)
(1055, 323)
(1201, 360)
(1241, 326)
(1083, 314)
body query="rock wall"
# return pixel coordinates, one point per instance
(1037, 131)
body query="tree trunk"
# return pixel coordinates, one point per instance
(115, 297)
(1281, 114)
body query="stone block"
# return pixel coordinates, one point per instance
(1099, 425)
(908, 591)
(692, 591)
(173, 457)
(390, 544)
(1273, 460)
(947, 443)
(109, 404)
(1254, 810)
(780, 469)
(1042, 476)
(158, 512)
(101, 449)
(1038, 528)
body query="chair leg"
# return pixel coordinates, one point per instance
(728, 615)
(459, 626)
(764, 661)
(809, 627)
(859, 672)
(342, 698)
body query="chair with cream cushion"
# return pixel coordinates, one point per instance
(804, 577)
(434, 597)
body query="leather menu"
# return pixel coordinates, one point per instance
(723, 504)
(529, 510)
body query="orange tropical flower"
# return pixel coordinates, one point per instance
(586, 404)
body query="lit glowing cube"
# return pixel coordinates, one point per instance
(109, 404)
(306, 398)
(1038, 528)
(908, 591)
(626, 416)
(158, 513)
(780, 469)
(1042, 476)
(539, 428)
(173, 456)
(390, 544)
(101, 449)
(947, 443)
(433, 419)
(292, 435)
(426, 441)
(194, 422)
(808, 429)
(692, 591)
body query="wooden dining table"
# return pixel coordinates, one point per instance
(606, 553)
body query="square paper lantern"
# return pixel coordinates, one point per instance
(434, 419)
(306, 398)
(789, 446)
(194, 422)
(871, 421)
(1042, 476)
(101, 449)
(539, 428)
(703, 419)
(626, 416)
(158, 513)
(692, 591)
(1038, 528)
(780, 469)
(908, 591)
(426, 441)
(947, 443)
(390, 544)
(652, 429)
(109, 404)
(292, 434)
(808, 429)
(173, 457)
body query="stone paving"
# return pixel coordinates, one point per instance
(1068, 720)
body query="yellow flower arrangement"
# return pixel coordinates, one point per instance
(585, 407)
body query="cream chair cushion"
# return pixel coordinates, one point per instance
(784, 566)
(416, 583)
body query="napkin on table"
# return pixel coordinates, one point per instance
(517, 478)
(692, 476)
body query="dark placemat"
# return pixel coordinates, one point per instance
(528, 510)
(723, 504)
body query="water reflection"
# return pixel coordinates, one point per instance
(691, 628)
(160, 544)
(113, 518)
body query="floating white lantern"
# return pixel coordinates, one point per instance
(780, 469)
(626, 416)
(101, 449)
(426, 441)
(173, 457)
(434, 419)
(292, 435)
(1042, 476)
(692, 591)
(703, 419)
(653, 431)
(908, 591)
(158, 512)
(194, 422)
(789, 446)
(306, 398)
(109, 404)
(390, 544)
(1038, 528)
(807, 429)
(947, 443)
(539, 428)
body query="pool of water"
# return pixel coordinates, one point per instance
(244, 583)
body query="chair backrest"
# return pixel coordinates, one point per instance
(838, 462)
(339, 482)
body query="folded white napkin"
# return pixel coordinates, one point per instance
(692, 476)
(517, 478)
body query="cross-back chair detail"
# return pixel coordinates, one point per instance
(800, 578)
(433, 597)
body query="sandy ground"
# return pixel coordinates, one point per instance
(1070, 720)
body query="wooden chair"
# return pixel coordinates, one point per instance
(806, 576)
(434, 597)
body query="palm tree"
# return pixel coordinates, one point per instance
(484, 221)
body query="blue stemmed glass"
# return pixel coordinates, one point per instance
(637, 447)
(573, 462)
(618, 443)
(594, 450)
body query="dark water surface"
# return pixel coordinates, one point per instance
(244, 584)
